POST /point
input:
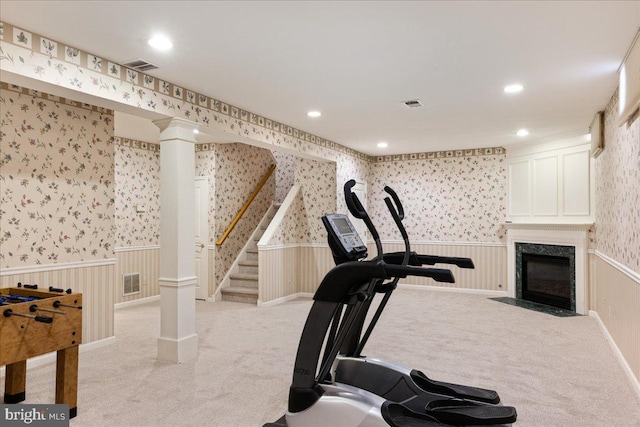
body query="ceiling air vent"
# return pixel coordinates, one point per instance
(140, 65)
(413, 103)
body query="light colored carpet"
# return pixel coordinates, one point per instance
(555, 371)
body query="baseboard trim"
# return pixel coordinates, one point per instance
(487, 292)
(50, 358)
(282, 300)
(635, 383)
(135, 302)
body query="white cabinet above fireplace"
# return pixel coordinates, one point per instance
(551, 183)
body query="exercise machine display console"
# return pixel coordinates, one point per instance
(344, 240)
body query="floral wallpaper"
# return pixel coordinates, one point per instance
(316, 197)
(455, 199)
(56, 180)
(293, 226)
(239, 169)
(206, 166)
(347, 168)
(284, 174)
(318, 186)
(618, 190)
(137, 183)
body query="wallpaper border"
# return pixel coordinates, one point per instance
(136, 144)
(430, 155)
(54, 98)
(141, 83)
(62, 52)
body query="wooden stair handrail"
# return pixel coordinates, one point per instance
(246, 205)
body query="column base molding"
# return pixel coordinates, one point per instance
(178, 351)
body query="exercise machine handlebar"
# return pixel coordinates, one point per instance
(357, 210)
(396, 200)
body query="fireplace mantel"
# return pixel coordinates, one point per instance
(567, 234)
(547, 226)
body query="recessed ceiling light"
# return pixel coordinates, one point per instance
(314, 114)
(514, 88)
(522, 132)
(382, 145)
(196, 131)
(160, 42)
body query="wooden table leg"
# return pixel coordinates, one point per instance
(67, 379)
(15, 382)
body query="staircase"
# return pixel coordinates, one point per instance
(243, 278)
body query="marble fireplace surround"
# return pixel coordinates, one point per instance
(575, 235)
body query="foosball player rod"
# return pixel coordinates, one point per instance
(34, 307)
(20, 285)
(60, 290)
(44, 319)
(57, 304)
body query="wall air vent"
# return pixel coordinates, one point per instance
(130, 284)
(140, 65)
(413, 103)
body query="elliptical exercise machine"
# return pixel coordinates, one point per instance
(316, 397)
(378, 376)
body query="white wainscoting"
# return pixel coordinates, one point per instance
(299, 268)
(291, 269)
(615, 297)
(277, 275)
(490, 260)
(94, 279)
(144, 260)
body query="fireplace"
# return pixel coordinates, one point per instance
(546, 274)
(546, 250)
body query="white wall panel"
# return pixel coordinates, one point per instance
(576, 192)
(551, 183)
(545, 182)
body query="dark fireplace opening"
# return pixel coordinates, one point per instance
(547, 279)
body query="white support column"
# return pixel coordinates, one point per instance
(178, 341)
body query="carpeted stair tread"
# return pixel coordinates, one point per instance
(239, 290)
(244, 276)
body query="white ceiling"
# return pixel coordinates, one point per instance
(356, 61)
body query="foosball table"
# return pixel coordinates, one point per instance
(35, 322)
